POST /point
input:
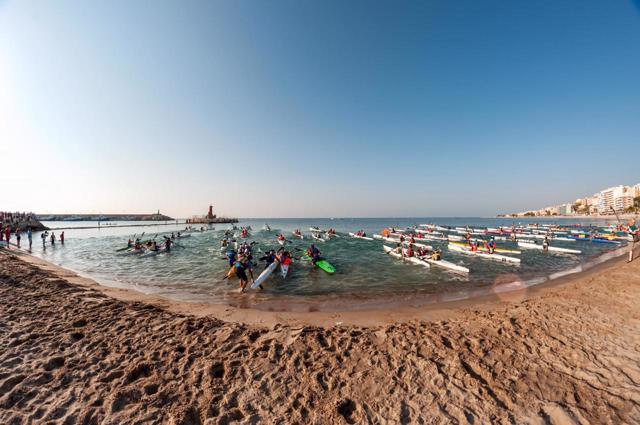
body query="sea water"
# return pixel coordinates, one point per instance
(195, 269)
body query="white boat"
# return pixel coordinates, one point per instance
(529, 245)
(405, 242)
(317, 237)
(482, 254)
(414, 260)
(265, 274)
(366, 238)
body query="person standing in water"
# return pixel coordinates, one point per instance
(18, 237)
(62, 237)
(53, 238)
(7, 235)
(30, 237)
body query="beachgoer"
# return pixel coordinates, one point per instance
(634, 232)
(18, 237)
(62, 237)
(30, 237)
(53, 238)
(545, 243)
(7, 235)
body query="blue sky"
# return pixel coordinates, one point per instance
(331, 108)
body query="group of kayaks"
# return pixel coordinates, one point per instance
(150, 247)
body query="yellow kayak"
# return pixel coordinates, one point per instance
(484, 248)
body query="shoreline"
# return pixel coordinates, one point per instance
(485, 298)
(76, 352)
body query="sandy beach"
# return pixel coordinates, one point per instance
(76, 352)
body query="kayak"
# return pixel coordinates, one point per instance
(550, 248)
(264, 275)
(301, 236)
(485, 249)
(482, 254)
(284, 267)
(353, 235)
(322, 264)
(314, 229)
(281, 241)
(326, 266)
(414, 260)
(595, 240)
(318, 238)
(231, 272)
(405, 243)
(439, 263)
(150, 253)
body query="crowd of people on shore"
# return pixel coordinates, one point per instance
(15, 218)
(18, 234)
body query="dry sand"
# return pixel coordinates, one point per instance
(74, 352)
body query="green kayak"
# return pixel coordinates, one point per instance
(323, 264)
(326, 266)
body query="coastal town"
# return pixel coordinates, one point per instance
(615, 200)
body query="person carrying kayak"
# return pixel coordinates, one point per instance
(314, 253)
(269, 258)
(240, 269)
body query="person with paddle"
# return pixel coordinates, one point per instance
(314, 253)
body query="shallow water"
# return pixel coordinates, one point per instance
(365, 274)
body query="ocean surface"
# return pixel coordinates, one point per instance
(366, 277)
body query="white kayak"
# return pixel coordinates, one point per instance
(405, 243)
(414, 260)
(301, 236)
(366, 238)
(264, 275)
(530, 245)
(483, 254)
(281, 241)
(318, 238)
(150, 253)
(284, 269)
(314, 229)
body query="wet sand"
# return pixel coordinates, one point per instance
(72, 351)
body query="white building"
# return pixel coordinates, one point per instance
(617, 198)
